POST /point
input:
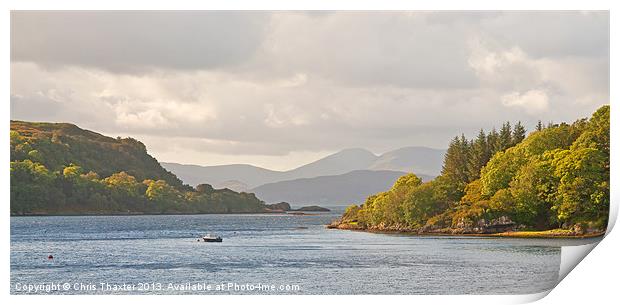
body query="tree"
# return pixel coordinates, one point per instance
(164, 195)
(35, 156)
(539, 126)
(204, 188)
(455, 166)
(125, 183)
(596, 134)
(583, 192)
(32, 188)
(532, 190)
(505, 137)
(72, 171)
(406, 182)
(501, 169)
(493, 141)
(480, 155)
(423, 202)
(518, 134)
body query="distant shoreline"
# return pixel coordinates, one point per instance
(294, 213)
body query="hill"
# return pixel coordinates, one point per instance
(59, 168)
(342, 189)
(60, 144)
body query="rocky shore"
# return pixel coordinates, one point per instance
(495, 229)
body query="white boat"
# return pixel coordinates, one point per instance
(212, 238)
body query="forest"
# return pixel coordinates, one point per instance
(554, 178)
(61, 169)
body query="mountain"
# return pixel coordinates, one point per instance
(232, 185)
(239, 177)
(420, 160)
(341, 162)
(59, 168)
(218, 175)
(352, 187)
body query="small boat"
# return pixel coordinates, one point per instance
(212, 238)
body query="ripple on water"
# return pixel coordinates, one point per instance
(271, 249)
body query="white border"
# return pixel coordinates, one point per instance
(595, 279)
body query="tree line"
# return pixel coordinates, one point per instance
(555, 177)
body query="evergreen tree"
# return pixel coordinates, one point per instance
(479, 156)
(455, 168)
(539, 126)
(505, 136)
(518, 134)
(493, 141)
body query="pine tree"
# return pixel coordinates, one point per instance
(479, 156)
(493, 141)
(518, 134)
(455, 165)
(539, 126)
(505, 136)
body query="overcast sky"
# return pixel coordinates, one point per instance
(281, 89)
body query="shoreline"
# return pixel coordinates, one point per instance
(293, 213)
(549, 234)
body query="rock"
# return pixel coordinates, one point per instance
(497, 225)
(578, 229)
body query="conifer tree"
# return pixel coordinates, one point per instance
(455, 168)
(518, 134)
(505, 136)
(493, 141)
(479, 156)
(539, 126)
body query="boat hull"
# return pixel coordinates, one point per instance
(212, 240)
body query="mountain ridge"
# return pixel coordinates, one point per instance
(425, 161)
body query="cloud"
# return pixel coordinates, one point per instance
(533, 101)
(136, 41)
(262, 86)
(552, 33)
(368, 48)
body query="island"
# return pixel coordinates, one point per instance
(553, 182)
(282, 207)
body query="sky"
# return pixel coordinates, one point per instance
(281, 89)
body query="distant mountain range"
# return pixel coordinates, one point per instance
(345, 167)
(420, 160)
(344, 189)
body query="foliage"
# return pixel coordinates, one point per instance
(57, 169)
(555, 177)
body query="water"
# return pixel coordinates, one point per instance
(154, 253)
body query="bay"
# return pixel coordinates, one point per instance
(265, 254)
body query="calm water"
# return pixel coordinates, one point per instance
(154, 253)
